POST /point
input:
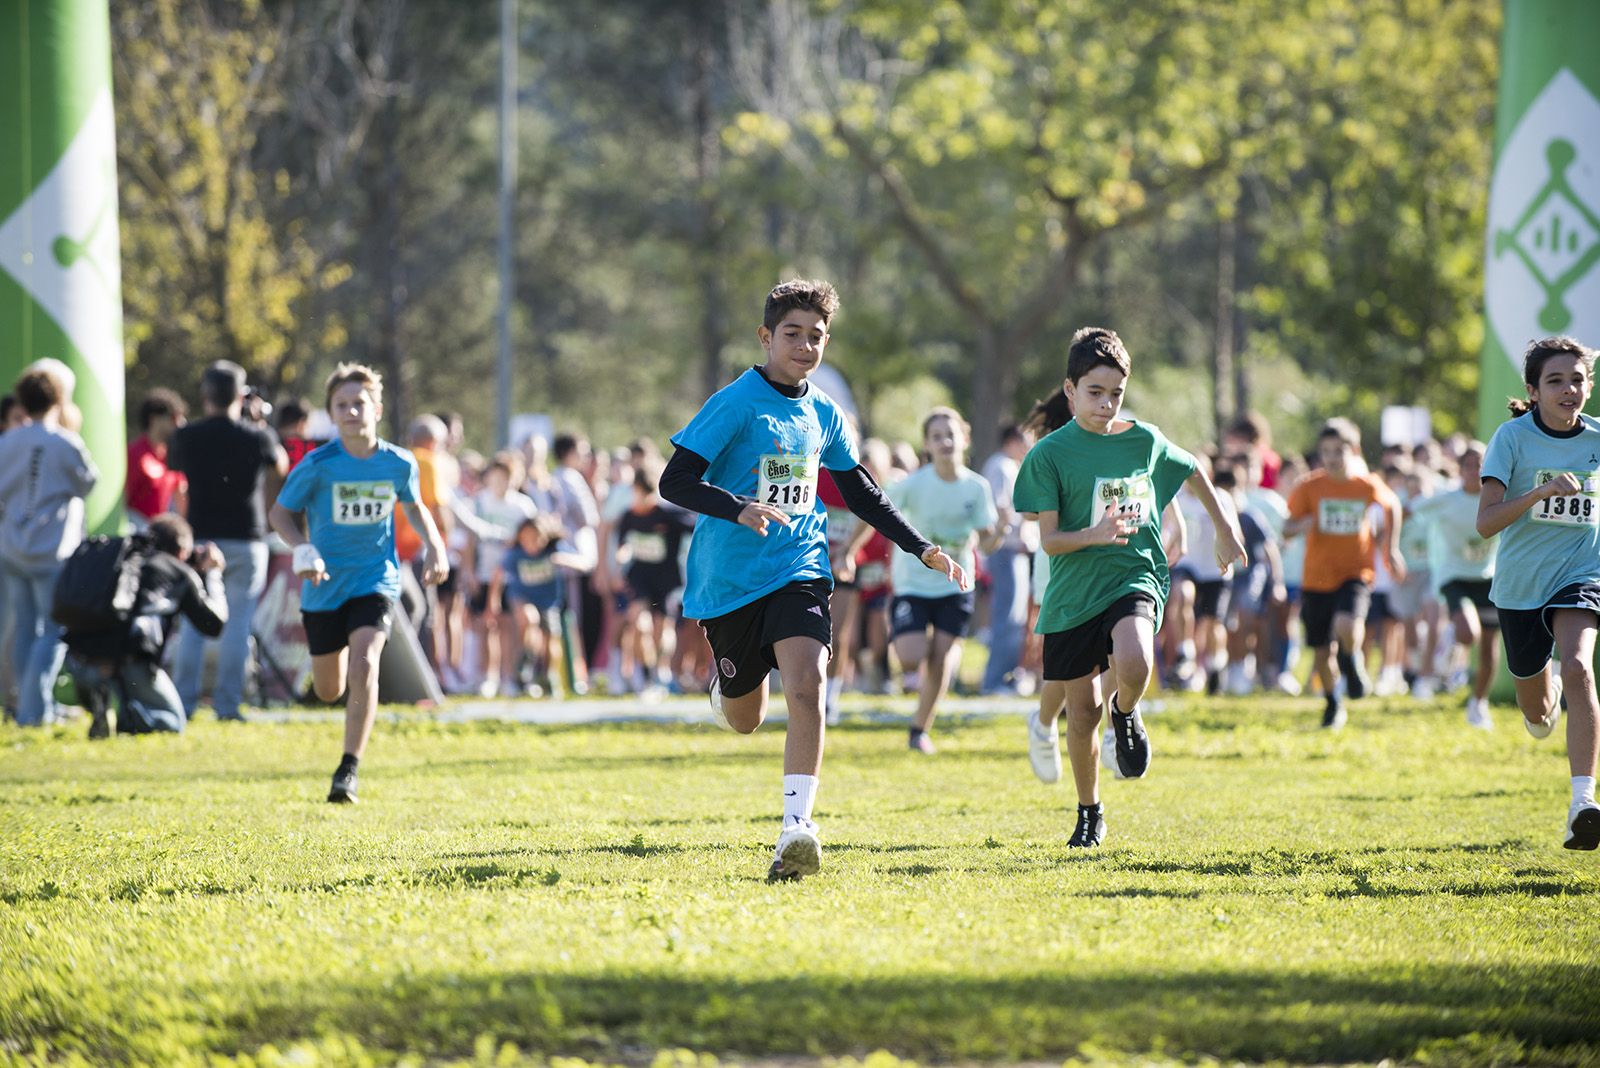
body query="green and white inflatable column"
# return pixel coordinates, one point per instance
(1542, 265)
(60, 271)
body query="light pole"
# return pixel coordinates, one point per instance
(508, 189)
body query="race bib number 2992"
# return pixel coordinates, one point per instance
(362, 503)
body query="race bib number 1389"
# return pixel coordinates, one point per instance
(1578, 510)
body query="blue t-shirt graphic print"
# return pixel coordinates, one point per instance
(349, 506)
(768, 447)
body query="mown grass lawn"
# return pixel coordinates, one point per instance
(1271, 893)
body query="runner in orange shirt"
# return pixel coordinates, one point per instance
(1333, 508)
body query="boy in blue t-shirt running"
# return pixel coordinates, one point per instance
(759, 577)
(347, 491)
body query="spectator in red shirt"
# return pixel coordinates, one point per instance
(152, 487)
(293, 420)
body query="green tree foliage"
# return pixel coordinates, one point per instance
(212, 270)
(1371, 242)
(1277, 205)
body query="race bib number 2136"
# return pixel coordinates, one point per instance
(789, 483)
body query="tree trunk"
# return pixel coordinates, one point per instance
(1222, 356)
(381, 179)
(994, 387)
(707, 226)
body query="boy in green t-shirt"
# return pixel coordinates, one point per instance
(1098, 486)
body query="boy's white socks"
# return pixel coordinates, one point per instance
(799, 795)
(1582, 788)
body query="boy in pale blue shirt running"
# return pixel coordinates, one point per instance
(347, 491)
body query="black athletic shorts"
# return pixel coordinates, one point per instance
(914, 615)
(1086, 648)
(328, 632)
(1529, 633)
(742, 640)
(1318, 609)
(478, 603)
(1379, 609)
(653, 595)
(1211, 598)
(1456, 591)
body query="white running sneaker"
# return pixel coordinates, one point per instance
(718, 716)
(799, 853)
(1108, 752)
(1424, 688)
(1478, 714)
(1288, 684)
(1583, 825)
(1044, 749)
(1542, 728)
(1238, 684)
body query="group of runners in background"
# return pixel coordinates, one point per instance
(773, 539)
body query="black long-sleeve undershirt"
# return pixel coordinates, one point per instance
(683, 483)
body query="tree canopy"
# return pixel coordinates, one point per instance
(1279, 206)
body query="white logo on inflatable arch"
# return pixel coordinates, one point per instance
(1542, 271)
(61, 246)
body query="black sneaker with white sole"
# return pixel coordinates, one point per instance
(1333, 714)
(1091, 828)
(343, 791)
(1356, 684)
(1583, 826)
(1133, 742)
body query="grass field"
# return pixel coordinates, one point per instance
(1271, 893)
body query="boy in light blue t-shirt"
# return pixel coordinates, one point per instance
(1541, 494)
(347, 491)
(758, 575)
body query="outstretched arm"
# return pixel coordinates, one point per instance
(1113, 529)
(1230, 540)
(1495, 513)
(308, 562)
(863, 496)
(435, 561)
(683, 484)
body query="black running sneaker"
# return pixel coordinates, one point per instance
(99, 713)
(1354, 672)
(1333, 714)
(1091, 828)
(1133, 744)
(1583, 825)
(344, 785)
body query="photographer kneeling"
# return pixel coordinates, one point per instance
(124, 662)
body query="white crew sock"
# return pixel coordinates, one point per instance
(799, 794)
(835, 689)
(1582, 788)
